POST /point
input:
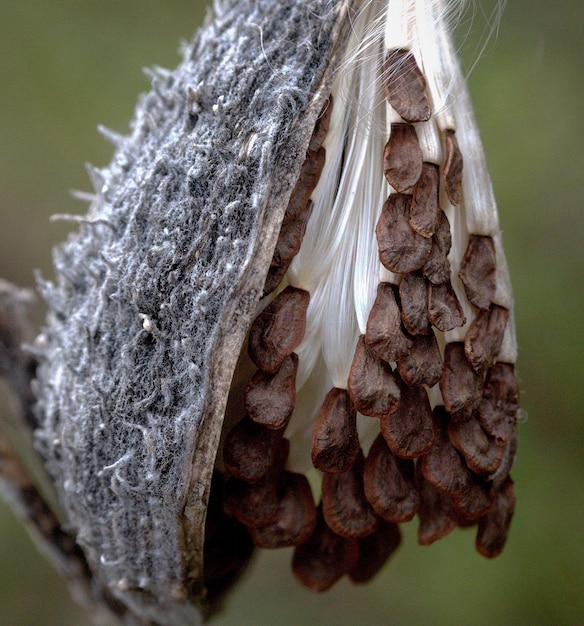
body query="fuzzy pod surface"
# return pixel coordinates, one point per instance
(154, 294)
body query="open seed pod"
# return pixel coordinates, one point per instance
(294, 253)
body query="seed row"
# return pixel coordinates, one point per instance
(449, 465)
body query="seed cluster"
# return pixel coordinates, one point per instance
(448, 464)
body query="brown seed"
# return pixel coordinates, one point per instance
(444, 309)
(384, 334)
(423, 365)
(296, 515)
(478, 271)
(498, 408)
(436, 514)
(389, 483)
(374, 551)
(405, 86)
(460, 385)
(443, 466)
(453, 168)
(371, 385)
(402, 158)
(250, 450)
(483, 339)
(502, 473)
(409, 431)
(278, 329)
(437, 267)
(322, 126)
(344, 505)
(325, 558)
(256, 504)
(290, 238)
(482, 453)
(307, 181)
(335, 443)
(274, 278)
(413, 291)
(425, 211)
(494, 527)
(270, 398)
(401, 248)
(474, 502)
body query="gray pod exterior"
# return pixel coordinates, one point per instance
(156, 291)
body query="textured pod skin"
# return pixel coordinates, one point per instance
(155, 293)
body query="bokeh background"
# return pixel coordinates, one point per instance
(67, 65)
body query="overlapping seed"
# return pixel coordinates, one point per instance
(374, 550)
(324, 558)
(409, 430)
(335, 442)
(405, 86)
(446, 409)
(402, 157)
(371, 385)
(390, 485)
(346, 510)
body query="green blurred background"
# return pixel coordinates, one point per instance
(67, 65)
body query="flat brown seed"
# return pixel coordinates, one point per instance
(384, 334)
(436, 513)
(250, 450)
(494, 527)
(425, 211)
(296, 515)
(374, 551)
(405, 86)
(409, 431)
(437, 267)
(322, 126)
(335, 442)
(344, 505)
(290, 238)
(401, 248)
(278, 329)
(497, 412)
(270, 398)
(423, 365)
(390, 485)
(478, 271)
(443, 466)
(502, 473)
(371, 385)
(482, 453)
(324, 559)
(402, 158)
(444, 309)
(274, 278)
(413, 291)
(474, 502)
(460, 385)
(255, 504)
(453, 168)
(307, 181)
(485, 336)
